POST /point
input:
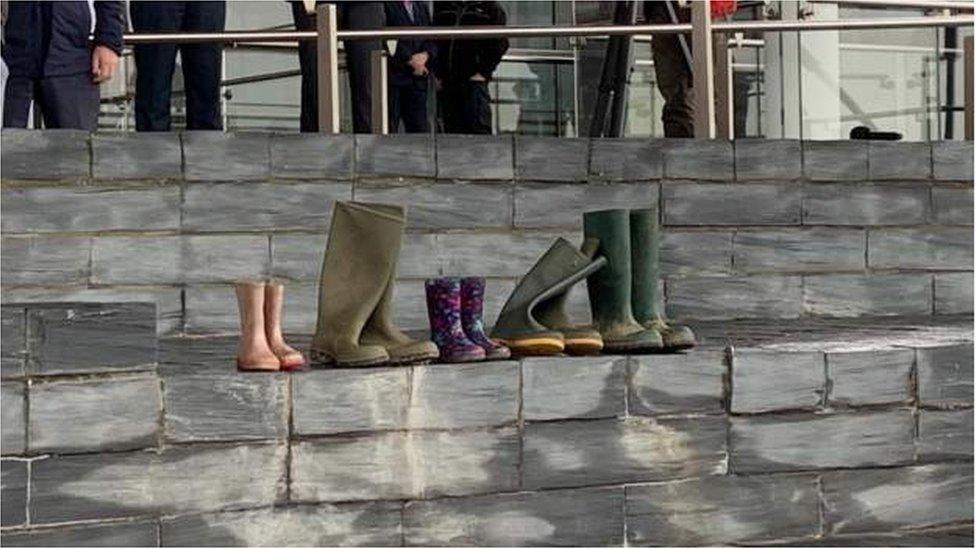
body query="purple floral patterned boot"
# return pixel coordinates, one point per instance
(472, 309)
(444, 310)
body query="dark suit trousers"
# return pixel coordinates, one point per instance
(64, 101)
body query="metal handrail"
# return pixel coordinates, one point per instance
(908, 4)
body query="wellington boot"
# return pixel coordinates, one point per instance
(610, 288)
(553, 274)
(580, 339)
(645, 254)
(380, 330)
(254, 354)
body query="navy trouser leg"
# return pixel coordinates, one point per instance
(17, 97)
(309, 121)
(69, 102)
(412, 108)
(155, 63)
(201, 66)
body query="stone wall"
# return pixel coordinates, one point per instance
(753, 228)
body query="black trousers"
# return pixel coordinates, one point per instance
(408, 104)
(673, 75)
(155, 64)
(465, 107)
(64, 101)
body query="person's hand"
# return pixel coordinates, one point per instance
(418, 62)
(103, 64)
(476, 77)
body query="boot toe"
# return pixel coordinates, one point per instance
(413, 353)
(642, 341)
(678, 338)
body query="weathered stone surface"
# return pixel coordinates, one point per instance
(179, 479)
(877, 376)
(868, 294)
(312, 156)
(731, 204)
(696, 253)
(804, 250)
(679, 383)
(929, 248)
(953, 293)
(764, 381)
(179, 259)
(945, 435)
(80, 337)
(698, 159)
(884, 500)
(395, 157)
(450, 396)
(945, 375)
(722, 510)
(502, 255)
(298, 256)
(865, 204)
(448, 205)
(952, 205)
(552, 205)
(104, 414)
(222, 404)
(952, 536)
(13, 342)
(805, 441)
(585, 387)
(375, 525)
(13, 492)
(121, 534)
(13, 428)
(752, 159)
(952, 160)
(551, 158)
(218, 156)
(45, 260)
(585, 453)
(626, 159)
(735, 297)
(136, 155)
(69, 209)
(213, 309)
(261, 206)
(587, 517)
(48, 154)
(899, 160)
(474, 157)
(405, 465)
(349, 400)
(835, 160)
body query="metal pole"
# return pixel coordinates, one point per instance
(909, 4)
(379, 112)
(327, 64)
(724, 127)
(968, 61)
(703, 71)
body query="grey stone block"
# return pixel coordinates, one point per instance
(865, 204)
(952, 160)
(350, 400)
(894, 160)
(373, 525)
(98, 415)
(945, 375)
(698, 159)
(951, 536)
(13, 341)
(953, 293)
(586, 517)
(551, 205)
(551, 159)
(312, 156)
(447, 206)
(868, 294)
(48, 154)
(803, 250)
(13, 491)
(952, 205)
(451, 396)
(218, 156)
(835, 160)
(890, 499)
(222, 404)
(735, 297)
(586, 453)
(765, 381)
(74, 338)
(502, 255)
(298, 256)
(722, 510)
(731, 204)
(67, 209)
(14, 430)
(679, 383)
(753, 159)
(121, 534)
(395, 157)
(152, 156)
(877, 376)
(405, 465)
(628, 159)
(261, 206)
(928, 248)
(561, 388)
(179, 259)
(45, 260)
(806, 441)
(475, 157)
(176, 480)
(945, 435)
(696, 253)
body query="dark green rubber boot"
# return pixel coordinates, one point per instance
(580, 339)
(645, 245)
(554, 273)
(610, 287)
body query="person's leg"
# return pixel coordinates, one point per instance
(69, 102)
(477, 108)
(447, 102)
(304, 21)
(413, 109)
(17, 97)
(361, 16)
(395, 107)
(154, 63)
(673, 79)
(201, 66)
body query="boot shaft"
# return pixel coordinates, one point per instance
(645, 258)
(444, 309)
(610, 287)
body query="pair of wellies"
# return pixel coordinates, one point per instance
(620, 261)
(455, 307)
(262, 345)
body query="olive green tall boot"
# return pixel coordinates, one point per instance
(610, 288)
(580, 339)
(645, 245)
(381, 330)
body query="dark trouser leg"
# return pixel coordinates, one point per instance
(154, 63)
(201, 66)
(413, 109)
(69, 102)
(394, 106)
(448, 100)
(476, 109)
(675, 82)
(361, 16)
(17, 97)
(304, 21)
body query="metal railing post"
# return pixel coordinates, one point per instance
(967, 58)
(379, 110)
(327, 65)
(724, 125)
(703, 69)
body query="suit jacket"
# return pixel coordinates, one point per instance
(396, 16)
